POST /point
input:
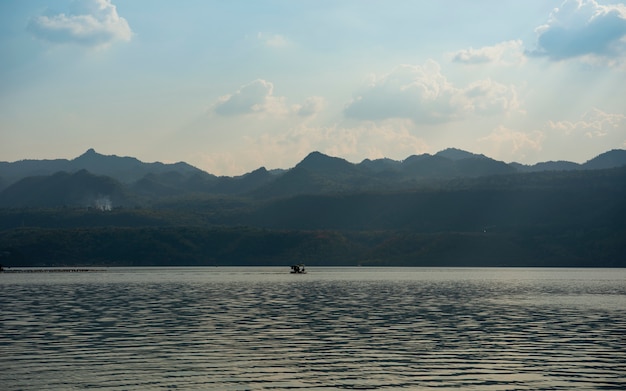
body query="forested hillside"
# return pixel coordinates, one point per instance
(569, 218)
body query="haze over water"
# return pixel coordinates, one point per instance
(333, 328)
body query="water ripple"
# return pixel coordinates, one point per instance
(320, 334)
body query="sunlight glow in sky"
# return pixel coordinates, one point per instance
(230, 86)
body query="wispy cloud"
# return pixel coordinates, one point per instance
(257, 97)
(254, 97)
(505, 143)
(310, 107)
(272, 40)
(424, 95)
(594, 123)
(582, 28)
(504, 53)
(91, 23)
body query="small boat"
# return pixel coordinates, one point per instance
(298, 269)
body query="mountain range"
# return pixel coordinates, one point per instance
(106, 181)
(453, 208)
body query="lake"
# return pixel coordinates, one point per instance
(333, 328)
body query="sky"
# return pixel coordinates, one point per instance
(231, 86)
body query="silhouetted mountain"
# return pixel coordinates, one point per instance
(242, 184)
(610, 159)
(160, 185)
(298, 180)
(127, 169)
(317, 173)
(463, 164)
(12, 172)
(174, 183)
(123, 169)
(567, 200)
(481, 166)
(457, 154)
(428, 166)
(319, 163)
(63, 189)
(547, 166)
(380, 165)
(552, 218)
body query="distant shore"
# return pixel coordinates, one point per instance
(48, 270)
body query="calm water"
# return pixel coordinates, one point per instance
(333, 328)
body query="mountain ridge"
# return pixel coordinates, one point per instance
(317, 173)
(93, 162)
(123, 168)
(325, 211)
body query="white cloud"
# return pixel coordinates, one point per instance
(93, 23)
(424, 95)
(583, 28)
(594, 123)
(508, 144)
(489, 97)
(254, 97)
(311, 106)
(272, 40)
(505, 53)
(257, 97)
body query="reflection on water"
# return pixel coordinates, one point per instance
(232, 329)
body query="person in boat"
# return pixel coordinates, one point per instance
(297, 269)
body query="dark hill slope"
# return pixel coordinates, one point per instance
(570, 218)
(610, 159)
(63, 189)
(458, 154)
(123, 169)
(550, 200)
(318, 174)
(315, 174)
(319, 163)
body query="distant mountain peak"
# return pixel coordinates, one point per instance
(318, 161)
(261, 171)
(89, 154)
(457, 154)
(609, 159)
(316, 155)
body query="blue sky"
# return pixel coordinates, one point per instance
(230, 86)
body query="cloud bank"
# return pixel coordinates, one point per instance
(424, 95)
(583, 28)
(91, 23)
